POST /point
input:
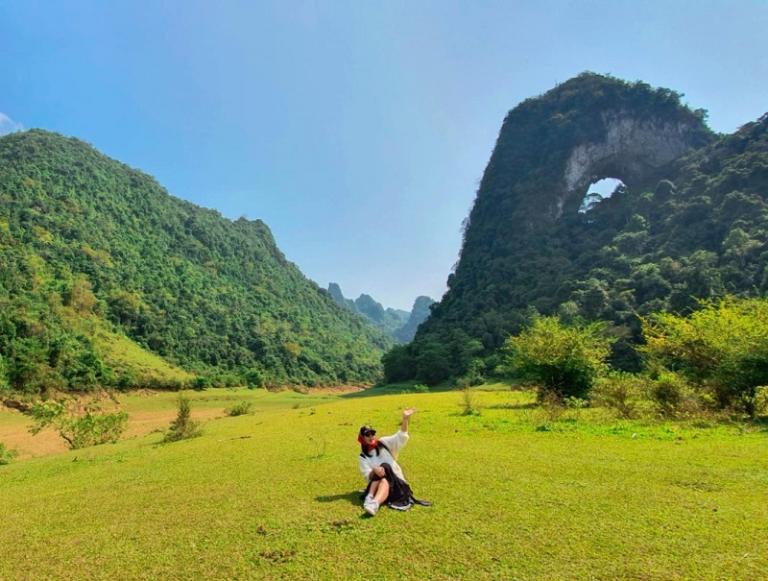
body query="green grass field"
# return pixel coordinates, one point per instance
(274, 495)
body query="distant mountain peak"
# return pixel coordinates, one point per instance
(400, 325)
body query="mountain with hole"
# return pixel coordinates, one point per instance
(605, 200)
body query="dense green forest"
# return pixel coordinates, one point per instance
(105, 279)
(694, 227)
(398, 324)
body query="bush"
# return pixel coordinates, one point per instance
(255, 378)
(240, 409)
(761, 400)
(182, 427)
(79, 431)
(722, 348)
(6, 455)
(625, 393)
(562, 360)
(673, 396)
(92, 429)
(475, 374)
(469, 403)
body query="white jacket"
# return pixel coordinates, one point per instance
(394, 442)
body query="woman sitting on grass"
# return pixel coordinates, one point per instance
(378, 463)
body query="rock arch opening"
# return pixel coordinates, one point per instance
(598, 191)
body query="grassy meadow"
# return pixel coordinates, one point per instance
(517, 492)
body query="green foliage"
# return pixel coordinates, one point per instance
(182, 427)
(722, 347)
(475, 374)
(561, 360)
(6, 455)
(98, 258)
(240, 409)
(675, 397)
(398, 364)
(4, 384)
(79, 431)
(625, 393)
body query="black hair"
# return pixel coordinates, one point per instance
(379, 444)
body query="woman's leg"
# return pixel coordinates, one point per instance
(372, 488)
(382, 491)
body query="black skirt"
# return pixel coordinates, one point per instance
(400, 494)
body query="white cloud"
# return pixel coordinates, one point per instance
(8, 125)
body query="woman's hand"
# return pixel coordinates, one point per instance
(407, 413)
(379, 471)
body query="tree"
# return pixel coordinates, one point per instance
(722, 348)
(561, 360)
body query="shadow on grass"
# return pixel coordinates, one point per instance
(353, 497)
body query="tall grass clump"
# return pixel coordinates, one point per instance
(6, 455)
(721, 349)
(561, 360)
(240, 409)
(468, 403)
(182, 427)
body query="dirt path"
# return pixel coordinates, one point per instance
(14, 430)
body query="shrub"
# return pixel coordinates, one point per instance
(202, 382)
(475, 374)
(722, 348)
(92, 429)
(673, 396)
(255, 378)
(469, 403)
(576, 404)
(79, 431)
(240, 409)
(182, 427)
(761, 400)
(625, 393)
(562, 360)
(6, 455)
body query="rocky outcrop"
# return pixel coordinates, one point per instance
(632, 148)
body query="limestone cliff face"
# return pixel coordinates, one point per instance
(632, 146)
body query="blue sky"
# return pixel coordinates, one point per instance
(358, 131)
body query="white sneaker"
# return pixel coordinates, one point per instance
(371, 506)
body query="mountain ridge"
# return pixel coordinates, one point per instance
(400, 325)
(213, 296)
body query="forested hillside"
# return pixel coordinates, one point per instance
(690, 222)
(105, 279)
